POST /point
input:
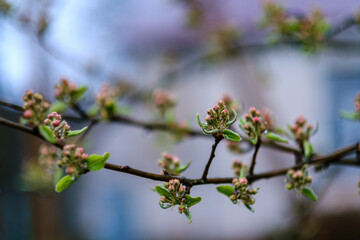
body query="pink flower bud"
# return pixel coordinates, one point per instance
(53, 114)
(163, 165)
(70, 170)
(235, 180)
(182, 189)
(58, 116)
(80, 149)
(46, 105)
(256, 119)
(243, 181)
(47, 121)
(207, 118)
(171, 188)
(246, 126)
(56, 123)
(28, 113)
(252, 110)
(208, 111)
(216, 107)
(226, 112)
(30, 103)
(84, 156)
(171, 182)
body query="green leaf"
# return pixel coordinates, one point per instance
(163, 191)
(233, 120)
(308, 192)
(243, 172)
(308, 149)
(192, 201)
(254, 140)
(170, 117)
(226, 190)
(64, 183)
(210, 131)
(353, 116)
(242, 122)
(58, 106)
(46, 132)
(250, 208)
(165, 206)
(232, 136)
(96, 162)
(183, 167)
(80, 91)
(274, 137)
(198, 120)
(76, 132)
(188, 215)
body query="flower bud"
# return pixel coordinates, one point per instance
(56, 123)
(233, 198)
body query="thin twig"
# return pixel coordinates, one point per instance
(12, 106)
(253, 160)
(212, 156)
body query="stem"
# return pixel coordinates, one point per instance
(253, 160)
(212, 156)
(12, 106)
(79, 110)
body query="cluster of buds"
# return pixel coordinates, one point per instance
(66, 91)
(309, 30)
(73, 160)
(35, 108)
(218, 117)
(297, 179)
(243, 193)
(163, 100)
(170, 163)
(48, 156)
(226, 41)
(59, 127)
(177, 192)
(357, 102)
(107, 98)
(237, 166)
(301, 130)
(254, 124)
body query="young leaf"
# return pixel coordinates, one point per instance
(250, 208)
(58, 106)
(64, 183)
(198, 120)
(210, 131)
(183, 167)
(46, 132)
(233, 120)
(75, 132)
(254, 140)
(308, 149)
(230, 135)
(243, 172)
(308, 192)
(96, 162)
(192, 201)
(164, 206)
(226, 190)
(80, 91)
(163, 191)
(274, 137)
(188, 215)
(242, 122)
(353, 116)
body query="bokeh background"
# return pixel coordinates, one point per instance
(153, 44)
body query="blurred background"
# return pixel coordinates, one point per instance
(199, 50)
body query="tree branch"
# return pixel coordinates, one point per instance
(253, 160)
(212, 156)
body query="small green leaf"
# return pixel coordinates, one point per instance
(64, 183)
(250, 208)
(226, 190)
(46, 132)
(232, 136)
(80, 91)
(165, 206)
(96, 162)
(308, 149)
(254, 140)
(183, 167)
(210, 131)
(243, 172)
(308, 192)
(163, 191)
(198, 120)
(274, 137)
(169, 117)
(188, 215)
(192, 201)
(58, 106)
(233, 120)
(353, 116)
(242, 122)
(75, 132)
